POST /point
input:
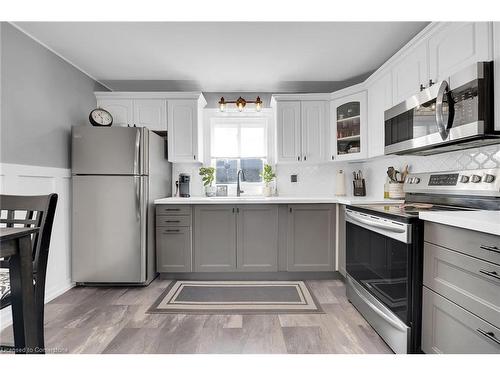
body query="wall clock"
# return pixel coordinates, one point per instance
(100, 117)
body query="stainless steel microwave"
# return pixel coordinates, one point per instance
(453, 114)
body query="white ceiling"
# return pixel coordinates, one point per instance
(252, 56)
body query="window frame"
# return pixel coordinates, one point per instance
(239, 122)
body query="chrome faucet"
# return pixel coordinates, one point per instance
(238, 189)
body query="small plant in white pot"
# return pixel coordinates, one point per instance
(208, 180)
(268, 176)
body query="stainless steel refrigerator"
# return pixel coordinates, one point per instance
(117, 174)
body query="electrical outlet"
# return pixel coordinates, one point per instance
(293, 178)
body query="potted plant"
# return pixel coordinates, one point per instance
(268, 176)
(208, 179)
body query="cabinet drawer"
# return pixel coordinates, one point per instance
(469, 282)
(173, 209)
(175, 220)
(448, 328)
(173, 249)
(477, 244)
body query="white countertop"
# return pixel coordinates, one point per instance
(275, 200)
(481, 221)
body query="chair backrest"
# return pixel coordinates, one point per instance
(31, 211)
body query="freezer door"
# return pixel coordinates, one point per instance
(109, 229)
(109, 150)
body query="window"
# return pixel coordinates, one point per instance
(238, 144)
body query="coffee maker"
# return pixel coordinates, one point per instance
(184, 185)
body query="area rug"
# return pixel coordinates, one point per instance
(236, 297)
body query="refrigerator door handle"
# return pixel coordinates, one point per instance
(137, 188)
(137, 151)
(143, 217)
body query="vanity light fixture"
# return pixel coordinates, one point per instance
(240, 103)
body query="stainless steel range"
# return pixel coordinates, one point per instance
(384, 245)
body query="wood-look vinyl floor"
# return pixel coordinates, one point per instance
(113, 320)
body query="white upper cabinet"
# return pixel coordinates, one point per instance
(379, 100)
(177, 113)
(348, 127)
(410, 73)
(151, 113)
(288, 131)
(184, 138)
(457, 45)
(122, 110)
(448, 48)
(313, 120)
(301, 128)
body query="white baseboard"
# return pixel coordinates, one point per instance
(18, 179)
(50, 294)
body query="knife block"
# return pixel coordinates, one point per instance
(359, 188)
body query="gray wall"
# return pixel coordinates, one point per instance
(42, 96)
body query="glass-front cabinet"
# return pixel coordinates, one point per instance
(348, 127)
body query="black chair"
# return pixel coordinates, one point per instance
(36, 211)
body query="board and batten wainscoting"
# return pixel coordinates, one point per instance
(17, 179)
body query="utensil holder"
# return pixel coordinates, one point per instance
(359, 188)
(396, 190)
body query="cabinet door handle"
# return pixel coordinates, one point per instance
(172, 221)
(290, 209)
(237, 210)
(298, 158)
(495, 249)
(172, 230)
(194, 157)
(305, 157)
(489, 335)
(172, 209)
(333, 157)
(490, 274)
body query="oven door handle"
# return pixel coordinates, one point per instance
(376, 224)
(398, 325)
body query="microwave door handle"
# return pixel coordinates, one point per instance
(443, 129)
(375, 224)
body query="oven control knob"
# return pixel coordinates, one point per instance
(416, 180)
(464, 179)
(475, 178)
(488, 178)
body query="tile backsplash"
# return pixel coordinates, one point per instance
(319, 179)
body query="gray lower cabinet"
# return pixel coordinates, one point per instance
(472, 283)
(448, 328)
(461, 300)
(341, 238)
(214, 238)
(173, 249)
(311, 237)
(257, 238)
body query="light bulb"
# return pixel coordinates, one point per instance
(222, 104)
(258, 104)
(240, 103)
